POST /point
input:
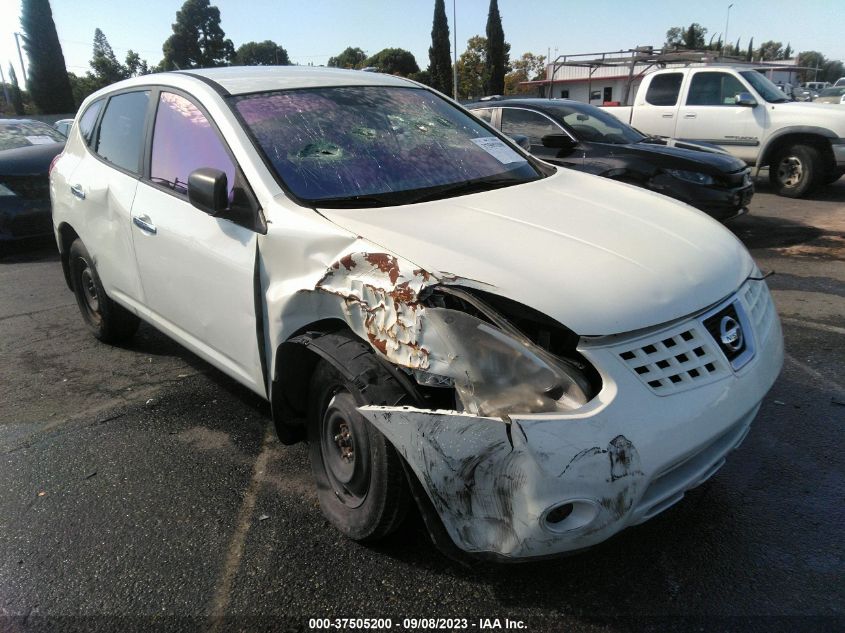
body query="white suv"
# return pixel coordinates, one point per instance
(538, 357)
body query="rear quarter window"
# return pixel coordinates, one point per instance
(88, 119)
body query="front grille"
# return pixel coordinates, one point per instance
(676, 361)
(715, 325)
(759, 304)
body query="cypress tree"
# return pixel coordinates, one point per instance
(48, 82)
(749, 56)
(17, 99)
(496, 55)
(440, 63)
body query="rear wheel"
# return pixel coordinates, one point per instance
(833, 175)
(361, 484)
(796, 170)
(108, 321)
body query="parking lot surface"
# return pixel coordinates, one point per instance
(140, 488)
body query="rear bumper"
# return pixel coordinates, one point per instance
(540, 485)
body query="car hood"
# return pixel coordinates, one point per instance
(681, 158)
(835, 100)
(600, 257)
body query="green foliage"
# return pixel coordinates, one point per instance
(394, 61)
(106, 69)
(472, 68)
(787, 52)
(694, 37)
(47, 81)
(266, 53)
(529, 67)
(349, 58)
(749, 55)
(496, 52)
(82, 87)
(439, 59)
(424, 77)
(135, 66)
(770, 51)
(832, 70)
(197, 40)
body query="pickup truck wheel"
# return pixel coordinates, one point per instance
(833, 175)
(361, 484)
(795, 170)
(108, 321)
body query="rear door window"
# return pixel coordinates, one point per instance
(121, 136)
(664, 89)
(531, 124)
(87, 121)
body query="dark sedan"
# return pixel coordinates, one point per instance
(584, 137)
(26, 150)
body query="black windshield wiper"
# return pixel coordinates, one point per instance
(464, 188)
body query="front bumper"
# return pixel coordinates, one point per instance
(21, 218)
(538, 485)
(718, 201)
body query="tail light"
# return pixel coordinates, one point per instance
(53, 162)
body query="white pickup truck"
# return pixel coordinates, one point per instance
(740, 110)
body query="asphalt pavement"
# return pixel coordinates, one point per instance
(141, 489)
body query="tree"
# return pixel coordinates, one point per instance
(82, 87)
(811, 60)
(48, 82)
(770, 50)
(787, 52)
(529, 67)
(439, 58)
(496, 52)
(394, 61)
(471, 68)
(694, 37)
(107, 69)
(266, 53)
(15, 96)
(135, 66)
(349, 58)
(749, 55)
(197, 40)
(675, 37)
(832, 71)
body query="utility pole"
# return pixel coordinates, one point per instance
(727, 21)
(20, 56)
(454, 54)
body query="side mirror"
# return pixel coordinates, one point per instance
(522, 141)
(559, 141)
(745, 99)
(208, 190)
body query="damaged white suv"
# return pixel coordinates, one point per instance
(538, 357)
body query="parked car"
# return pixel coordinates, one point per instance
(831, 95)
(803, 145)
(63, 126)
(538, 357)
(839, 82)
(586, 138)
(26, 150)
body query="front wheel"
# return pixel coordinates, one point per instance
(108, 321)
(361, 484)
(796, 170)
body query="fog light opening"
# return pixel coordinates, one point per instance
(559, 514)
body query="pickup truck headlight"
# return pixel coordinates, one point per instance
(495, 373)
(691, 176)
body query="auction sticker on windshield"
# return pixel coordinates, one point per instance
(498, 150)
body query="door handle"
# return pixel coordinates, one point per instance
(690, 115)
(668, 116)
(77, 191)
(144, 223)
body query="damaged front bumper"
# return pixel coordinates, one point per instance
(536, 485)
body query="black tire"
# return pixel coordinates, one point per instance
(361, 484)
(796, 170)
(833, 175)
(108, 321)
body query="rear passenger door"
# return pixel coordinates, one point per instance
(656, 111)
(197, 271)
(103, 185)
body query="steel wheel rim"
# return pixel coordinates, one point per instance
(345, 452)
(89, 289)
(790, 171)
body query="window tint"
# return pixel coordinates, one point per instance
(122, 130)
(531, 124)
(184, 140)
(714, 89)
(484, 115)
(86, 123)
(663, 89)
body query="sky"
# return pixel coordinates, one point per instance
(313, 30)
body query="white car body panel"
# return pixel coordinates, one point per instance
(618, 265)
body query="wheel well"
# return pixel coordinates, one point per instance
(66, 237)
(819, 142)
(296, 360)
